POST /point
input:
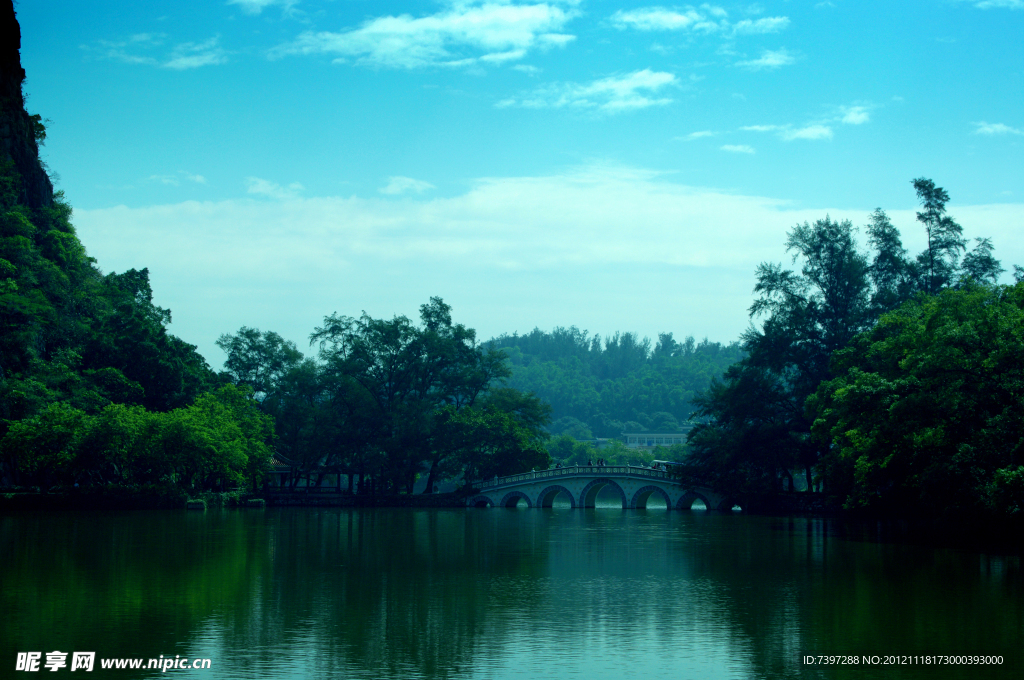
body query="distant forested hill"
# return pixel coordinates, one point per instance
(602, 387)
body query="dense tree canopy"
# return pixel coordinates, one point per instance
(601, 387)
(926, 412)
(387, 400)
(910, 408)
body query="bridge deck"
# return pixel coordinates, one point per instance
(589, 470)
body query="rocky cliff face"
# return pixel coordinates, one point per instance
(17, 129)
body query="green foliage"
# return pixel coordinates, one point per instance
(80, 353)
(486, 442)
(387, 400)
(257, 359)
(938, 262)
(601, 387)
(93, 389)
(38, 128)
(755, 428)
(926, 412)
(220, 441)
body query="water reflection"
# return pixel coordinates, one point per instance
(497, 593)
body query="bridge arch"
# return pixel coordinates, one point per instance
(480, 502)
(689, 497)
(642, 495)
(589, 494)
(548, 495)
(511, 499)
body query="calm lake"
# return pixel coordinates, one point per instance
(496, 593)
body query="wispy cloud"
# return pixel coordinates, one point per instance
(465, 34)
(705, 19)
(404, 185)
(175, 180)
(789, 133)
(759, 26)
(612, 94)
(700, 134)
(809, 132)
(855, 115)
(194, 55)
(257, 6)
(770, 60)
(263, 187)
(983, 128)
(662, 19)
(737, 148)
(144, 48)
(991, 4)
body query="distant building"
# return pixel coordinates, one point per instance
(650, 440)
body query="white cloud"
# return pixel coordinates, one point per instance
(990, 4)
(257, 6)
(760, 128)
(403, 185)
(194, 55)
(117, 52)
(769, 59)
(855, 115)
(175, 180)
(700, 134)
(759, 26)
(455, 37)
(183, 56)
(150, 38)
(738, 148)
(263, 187)
(612, 94)
(983, 128)
(809, 132)
(525, 68)
(662, 19)
(706, 19)
(602, 246)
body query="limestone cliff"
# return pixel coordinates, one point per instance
(17, 129)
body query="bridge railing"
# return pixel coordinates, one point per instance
(555, 473)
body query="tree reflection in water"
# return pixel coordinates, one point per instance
(397, 593)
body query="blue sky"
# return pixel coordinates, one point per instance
(609, 165)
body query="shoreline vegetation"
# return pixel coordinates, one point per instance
(875, 383)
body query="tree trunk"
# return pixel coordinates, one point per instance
(430, 478)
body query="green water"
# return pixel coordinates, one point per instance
(495, 593)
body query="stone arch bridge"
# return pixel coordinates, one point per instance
(581, 484)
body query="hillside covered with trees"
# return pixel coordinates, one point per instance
(602, 387)
(94, 391)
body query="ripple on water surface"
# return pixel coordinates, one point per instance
(496, 593)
